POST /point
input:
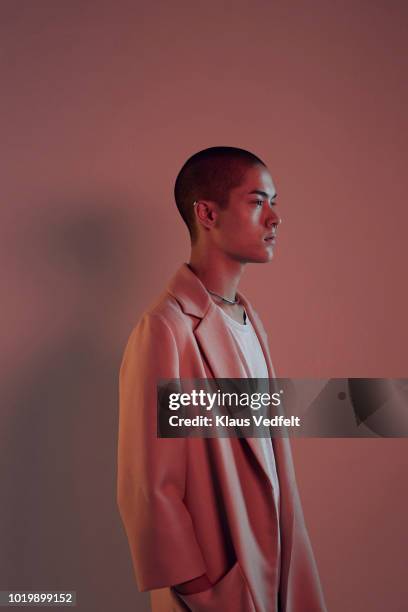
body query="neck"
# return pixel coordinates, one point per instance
(217, 272)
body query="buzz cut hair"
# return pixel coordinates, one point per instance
(210, 174)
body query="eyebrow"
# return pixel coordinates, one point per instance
(262, 193)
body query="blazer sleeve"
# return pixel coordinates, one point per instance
(151, 471)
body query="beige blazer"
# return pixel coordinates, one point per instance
(204, 505)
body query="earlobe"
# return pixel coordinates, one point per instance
(212, 218)
(205, 213)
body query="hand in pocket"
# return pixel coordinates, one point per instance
(229, 594)
(191, 587)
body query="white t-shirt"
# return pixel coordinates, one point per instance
(248, 346)
(254, 363)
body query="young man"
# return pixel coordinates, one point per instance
(214, 524)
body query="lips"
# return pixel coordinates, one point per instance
(270, 238)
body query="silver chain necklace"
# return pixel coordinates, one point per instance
(223, 298)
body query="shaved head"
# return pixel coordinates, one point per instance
(210, 175)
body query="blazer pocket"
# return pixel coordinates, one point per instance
(229, 594)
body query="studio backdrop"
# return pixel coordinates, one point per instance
(101, 104)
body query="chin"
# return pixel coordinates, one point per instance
(253, 257)
(262, 258)
(267, 259)
(266, 256)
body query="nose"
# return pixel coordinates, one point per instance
(273, 219)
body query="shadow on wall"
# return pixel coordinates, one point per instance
(72, 268)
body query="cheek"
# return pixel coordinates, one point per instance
(233, 227)
(238, 228)
(246, 221)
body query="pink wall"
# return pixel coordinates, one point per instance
(101, 104)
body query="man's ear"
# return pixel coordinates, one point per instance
(206, 213)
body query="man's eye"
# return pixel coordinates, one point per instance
(258, 202)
